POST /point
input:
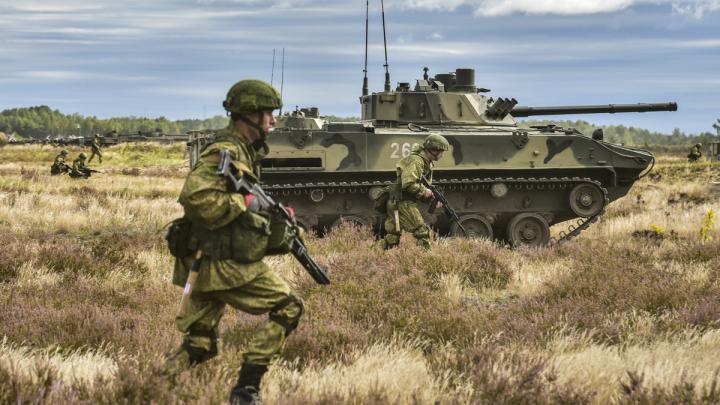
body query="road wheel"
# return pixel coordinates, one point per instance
(477, 226)
(528, 229)
(586, 200)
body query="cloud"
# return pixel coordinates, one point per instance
(698, 43)
(493, 8)
(504, 7)
(696, 9)
(52, 74)
(65, 75)
(199, 9)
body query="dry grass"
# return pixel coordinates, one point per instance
(614, 316)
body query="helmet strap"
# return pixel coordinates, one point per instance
(434, 153)
(258, 126)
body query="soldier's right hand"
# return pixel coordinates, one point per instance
(427, 194)
(252, 203)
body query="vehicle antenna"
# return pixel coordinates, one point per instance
(272, 71)
(282, 77)
(387, 71)
(365, 79)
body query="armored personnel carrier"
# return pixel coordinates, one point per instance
(504, 182)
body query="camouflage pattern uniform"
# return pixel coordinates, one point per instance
(695, 153)
(79, 170)
(409, 191)
(254, 288)
(59, 166)
(95, 146)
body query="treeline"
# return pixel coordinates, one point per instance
(39, 122)
(630, 136)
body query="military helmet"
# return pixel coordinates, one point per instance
(698, 145)
(82, 155)
(249, 95)
(63, 152)
(436, 142)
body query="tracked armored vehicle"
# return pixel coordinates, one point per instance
(505, 182)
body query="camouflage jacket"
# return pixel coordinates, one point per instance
(78, 165)
(409, 170)
(59, 161)
(95, 144)
(209, 201)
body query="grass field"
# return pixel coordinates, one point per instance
(626, 313)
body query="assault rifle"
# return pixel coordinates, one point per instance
(439, 197)
(82, 172)
(227, 169)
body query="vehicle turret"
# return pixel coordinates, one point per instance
(454, 99)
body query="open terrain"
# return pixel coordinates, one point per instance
(628, 312)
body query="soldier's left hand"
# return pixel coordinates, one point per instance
(439, 205)
(300, 232)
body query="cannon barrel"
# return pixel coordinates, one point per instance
(522, 111)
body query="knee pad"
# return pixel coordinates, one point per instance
(422, 232)
(392, 239)
(279, 315)
(199, 354)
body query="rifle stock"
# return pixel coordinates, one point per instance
(245, 186)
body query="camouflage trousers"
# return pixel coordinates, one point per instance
(95, 152)
(267, 293)
(410, 221)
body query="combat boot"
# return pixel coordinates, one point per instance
(247, 388)
(187, 356)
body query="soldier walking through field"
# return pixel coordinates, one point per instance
(59, 166)
(95, 147)
(224, 228)
(695, 153)
(402, 210)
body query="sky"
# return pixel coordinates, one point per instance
(178, 58)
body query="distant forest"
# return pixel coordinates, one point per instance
(39, 122)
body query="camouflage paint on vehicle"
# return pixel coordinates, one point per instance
(504, 182)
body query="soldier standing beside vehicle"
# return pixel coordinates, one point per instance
(695, 153)
(59, 166)
(95, 147)
(217, 216)
(402, 210)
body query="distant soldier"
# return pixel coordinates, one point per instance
(95, 146)
(59, 166)
(402, 210)
(79, 169)
(695, 153)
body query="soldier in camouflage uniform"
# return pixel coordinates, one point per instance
(59, 166)
(695, 153)
(79, 169)
(95, 146)
(252, 287)
(402, 211)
